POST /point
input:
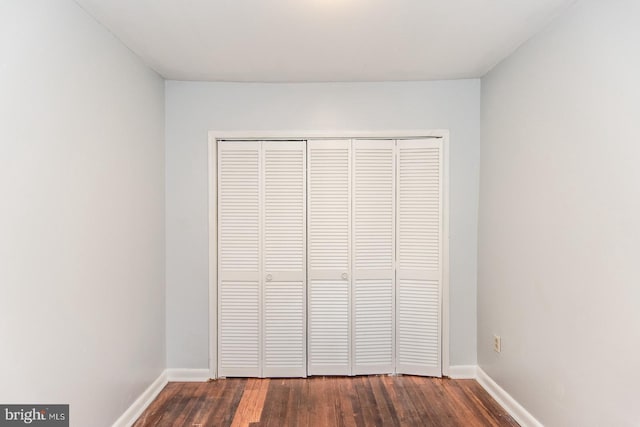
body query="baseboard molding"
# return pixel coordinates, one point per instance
(188, 375)
(463, 372)
(140, 404)
(517, 411)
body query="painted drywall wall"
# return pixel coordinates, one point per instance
(82, 214)
(559, 228)
(193, 109)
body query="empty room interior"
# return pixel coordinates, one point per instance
(320, 212)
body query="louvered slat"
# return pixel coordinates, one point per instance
(239, 296)
(374, 324)
(284, 329)
(420, 216)
(373, 254)
(239, 184)
(239, 339)
(419, 260)
(284, 222)
(329, 218)
(329, 327)
(418, 322)
(329, 205)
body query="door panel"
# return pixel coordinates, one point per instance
(239, 259)
(284, 269)
(373, 256)
(419, 259)
(329, 224)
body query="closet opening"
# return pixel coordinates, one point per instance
(328, 254)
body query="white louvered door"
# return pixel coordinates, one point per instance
(262, 259)
(329, 234)
(330, 257)
(284, 260)
(239, 259)
(373, 256)
(419, 257)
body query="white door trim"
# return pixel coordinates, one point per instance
(214, 136)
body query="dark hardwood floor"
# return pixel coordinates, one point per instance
(326, 401)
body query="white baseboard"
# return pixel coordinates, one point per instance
(463, 372)
(517, 411)
(188, 375)
(140, 404)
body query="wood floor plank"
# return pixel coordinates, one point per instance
(215, 402)
(349, 412)
(362, 401)
(383, 400)
(251, 404)
(407, 411)
(371, 412)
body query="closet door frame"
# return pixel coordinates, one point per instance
(303, 135)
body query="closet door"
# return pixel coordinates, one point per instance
(329, 219)
(373, 256)
(262, 258)
(419, 257)
(239, 259)
(284, 259)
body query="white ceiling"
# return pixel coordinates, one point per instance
(323, 40)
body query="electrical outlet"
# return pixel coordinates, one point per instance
(497, 344)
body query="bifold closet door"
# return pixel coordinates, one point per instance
(419, 257)
(373, 224)
(329, 234)
(261, 258)
(362, 222)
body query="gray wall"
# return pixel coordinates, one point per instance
(82, 310)
(193, 109)
(559, 224)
